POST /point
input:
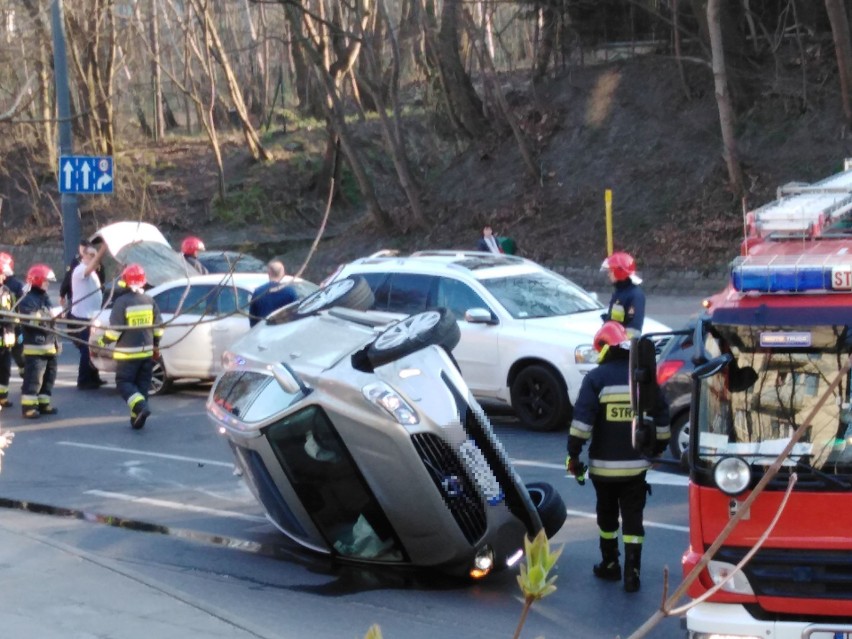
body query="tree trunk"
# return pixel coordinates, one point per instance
(255, 147)
(158, 119)
(461, 98)
(548, 38)
(727, 118)
(843, 50)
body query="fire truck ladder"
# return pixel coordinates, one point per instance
(805, 210)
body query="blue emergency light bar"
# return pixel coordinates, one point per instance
(765, 274)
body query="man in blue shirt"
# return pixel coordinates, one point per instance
(271, 296)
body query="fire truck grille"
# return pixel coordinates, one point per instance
(816, 574)
(452, 480)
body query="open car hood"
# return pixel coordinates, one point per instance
(144, 244)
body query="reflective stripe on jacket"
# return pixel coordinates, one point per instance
(603, 417)
(132, 322)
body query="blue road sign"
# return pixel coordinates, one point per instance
(82, 174)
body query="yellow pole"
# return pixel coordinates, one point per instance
(608, 201)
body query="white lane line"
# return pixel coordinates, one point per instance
(654, 476)
(131, 451)
(649, 524)
(174, 505)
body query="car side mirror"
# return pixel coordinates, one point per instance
(287, 378)
(479, 316)
(643, 392)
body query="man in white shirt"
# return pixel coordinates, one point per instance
(86, 301)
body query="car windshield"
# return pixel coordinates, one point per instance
(539, 294)
(231, 262)
(753, 406)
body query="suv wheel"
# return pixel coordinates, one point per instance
(540, 399)
(160, 381)
(679, 442)
(550, 506)
(350, 292)
(438, 326)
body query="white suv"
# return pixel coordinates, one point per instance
(526, 332)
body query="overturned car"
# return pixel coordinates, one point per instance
(358, 435)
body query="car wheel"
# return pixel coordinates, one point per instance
(550, 506)
(540, 399)
(350, 292)
(160, 381)
(679, 442)
(406, 336)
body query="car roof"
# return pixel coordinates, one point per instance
(477, 264)
(243, 280)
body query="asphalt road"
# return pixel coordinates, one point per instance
(165, 501)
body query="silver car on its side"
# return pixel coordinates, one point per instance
(357, 433)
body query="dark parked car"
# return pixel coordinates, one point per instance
(231, 261)
(674, 376)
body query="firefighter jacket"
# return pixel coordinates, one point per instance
(603, 415)
(627, 306)
(37, 339)
(134, 326)
(7, 324)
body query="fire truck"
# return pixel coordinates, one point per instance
(771, 409)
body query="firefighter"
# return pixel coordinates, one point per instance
(17, 287)
(7, 328)
(603, 416)
(135, 327)
(40, 345)
(190, 247)
(627, 304)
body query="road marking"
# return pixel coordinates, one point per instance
(132, 451)
(174, 505)
(648, 524)
(653, 477)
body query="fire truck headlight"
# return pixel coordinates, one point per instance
(720, 570)
(732, 475)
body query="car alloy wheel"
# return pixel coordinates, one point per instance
(679, 442)
(418, 331)
(540, 399)
(160, 382)
(351, 292)
(406, 330)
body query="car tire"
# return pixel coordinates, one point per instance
(161, 383)
(549, 505)
(437, 326)
(679, 442)
(350, 292)
(540, 399)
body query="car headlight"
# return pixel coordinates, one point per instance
(732, 475)
(719, 571)
(585, 354)
(387, 398)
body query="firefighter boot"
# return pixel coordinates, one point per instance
(5, 401)
(609, 569)
(47, 409)
(632, 566)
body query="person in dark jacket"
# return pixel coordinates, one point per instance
(40, 344)
(17, 287)
(7, 329)
(603, 416)
(627, 304)
(189, 248)
(136, 329)
(271, 296)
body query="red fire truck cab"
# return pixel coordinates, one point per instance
(769, 347)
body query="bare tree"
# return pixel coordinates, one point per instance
(727, 119)
(843, 49)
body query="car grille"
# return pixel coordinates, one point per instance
(815, 574)
(451, 479)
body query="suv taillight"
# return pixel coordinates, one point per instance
(666, 369)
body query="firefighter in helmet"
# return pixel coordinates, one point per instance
(7, 328)
(190, 247)
(603, 417)
(136, 329)
(40, 344)
(627, 304)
